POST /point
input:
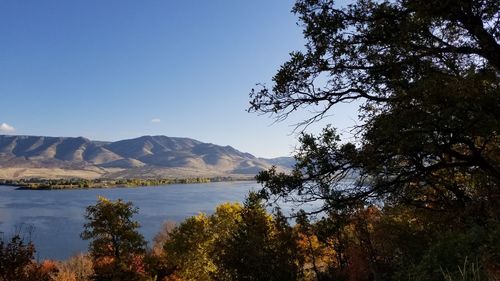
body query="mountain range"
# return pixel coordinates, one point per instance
(142, 157)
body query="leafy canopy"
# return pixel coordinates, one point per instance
(116, 244)
(428, 75)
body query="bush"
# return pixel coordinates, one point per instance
(77, 268)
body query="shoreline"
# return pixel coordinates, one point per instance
(77, 183)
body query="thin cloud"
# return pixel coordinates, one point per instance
(155, 120)
(6, 128)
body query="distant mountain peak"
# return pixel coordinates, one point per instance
(144, 156)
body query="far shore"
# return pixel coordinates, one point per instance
(78, 183)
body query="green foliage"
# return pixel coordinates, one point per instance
(15, 257)
(193, 246)
(260, 248)
(17, 262)
(426, 74)
(459, 253)
(235, 243)
(40, 183)
(470, 271)
(116, 247)
(189, 248)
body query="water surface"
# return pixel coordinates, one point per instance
(57, 215)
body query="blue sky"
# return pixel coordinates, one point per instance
(116, 69)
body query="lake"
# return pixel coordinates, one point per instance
(57, 215)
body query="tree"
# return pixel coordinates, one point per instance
(116, 247)
(188, 248)
(235, 243)
(193, 246)
(260, 248)
(318, 253)
(17, 262)
(15, 257)
(428, 73)
(427, 76)
(76, 268)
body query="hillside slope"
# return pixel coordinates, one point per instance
(142, 157)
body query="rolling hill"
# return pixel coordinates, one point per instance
(142, 157)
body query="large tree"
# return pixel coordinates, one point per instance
(427, 73)
(194, 245)
(259, 247)
(117, 247)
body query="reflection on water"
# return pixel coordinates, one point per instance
(57, 215)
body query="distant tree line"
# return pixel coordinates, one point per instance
(40, 183)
